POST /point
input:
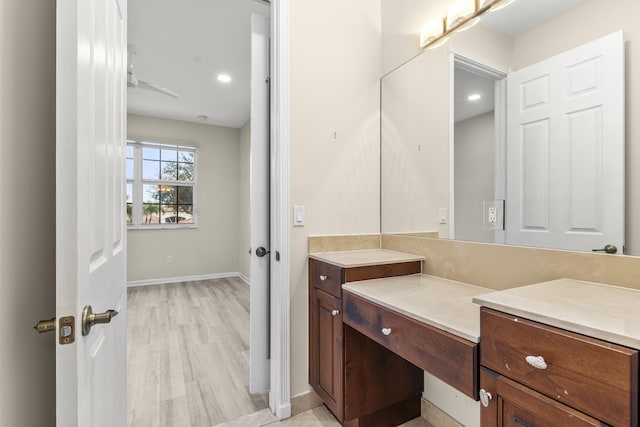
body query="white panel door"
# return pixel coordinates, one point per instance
(259, 298)
(90, 221)
(565, 152)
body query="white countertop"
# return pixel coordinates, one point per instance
(441, 303)
(606, 312)
(349, 259)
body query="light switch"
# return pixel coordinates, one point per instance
(298, 216)
(442, 215)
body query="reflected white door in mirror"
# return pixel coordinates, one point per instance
(565, 149)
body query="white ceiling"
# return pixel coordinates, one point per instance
(183, 45)
(523, 15)
(466, 84)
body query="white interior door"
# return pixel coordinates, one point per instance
(565, 153)
(259, 183)
(90, 228)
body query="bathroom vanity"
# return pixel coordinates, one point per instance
(361, 382)
(371, 340)
(563, 352)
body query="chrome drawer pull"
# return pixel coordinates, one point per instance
(386, 331)
(485, 397)
(323, 278)
(536, 361)
(335, 312)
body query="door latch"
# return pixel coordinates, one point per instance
(66, 328)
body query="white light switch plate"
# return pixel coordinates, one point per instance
(298, 216)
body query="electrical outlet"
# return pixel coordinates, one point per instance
(493, 215)
(169, 259)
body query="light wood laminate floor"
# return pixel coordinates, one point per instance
(188, 354)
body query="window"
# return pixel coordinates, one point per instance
(161, 185)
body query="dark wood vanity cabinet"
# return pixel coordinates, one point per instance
(361, 382)
(537, 375)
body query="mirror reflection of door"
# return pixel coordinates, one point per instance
(565, 157)
(478, 159)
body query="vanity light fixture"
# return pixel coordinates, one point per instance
(432, 31)
(460, 12)
(462, 15)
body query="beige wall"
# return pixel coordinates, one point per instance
(244, 212)
(335, 71)
(415, 145)
(27, 235)
(211, 248)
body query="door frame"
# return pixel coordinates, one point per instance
(280, 393)
(482, 67)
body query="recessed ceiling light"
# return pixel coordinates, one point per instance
(224, 78)
(474, 97)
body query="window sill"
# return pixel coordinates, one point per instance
(162, 227)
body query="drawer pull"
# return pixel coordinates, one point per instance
(485, 397)
(323, 278)
(335, 312)
(386, 331)
(536, 361)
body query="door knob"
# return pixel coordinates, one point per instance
(610, 249)
(261, 251)
(89, 318)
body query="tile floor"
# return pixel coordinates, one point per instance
(317, 417)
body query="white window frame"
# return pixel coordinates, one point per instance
(138, 182)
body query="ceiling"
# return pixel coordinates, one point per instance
(183, 45)
(467, 84)
(523, 15)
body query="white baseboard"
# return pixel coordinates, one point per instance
(165, 280)
(244, 278)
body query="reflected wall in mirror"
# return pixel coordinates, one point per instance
(418, 150)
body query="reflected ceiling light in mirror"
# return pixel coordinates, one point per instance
(224, 78)
(474, 97)
(462, 15)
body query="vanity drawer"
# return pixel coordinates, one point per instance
(326, 276)
(594, 376)
(448, 357)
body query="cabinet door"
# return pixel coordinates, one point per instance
(326, 346)
(514, 405)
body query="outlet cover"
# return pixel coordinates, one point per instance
(493, 215)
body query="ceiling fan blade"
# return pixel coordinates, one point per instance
(151, 86)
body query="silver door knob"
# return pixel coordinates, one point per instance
(335, 312)
(386, 331)
(89, 318)
(261, 251)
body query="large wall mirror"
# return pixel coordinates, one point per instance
(515, 130)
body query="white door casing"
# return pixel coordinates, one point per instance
(90, 224)
(259, 299)
(565, 154)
